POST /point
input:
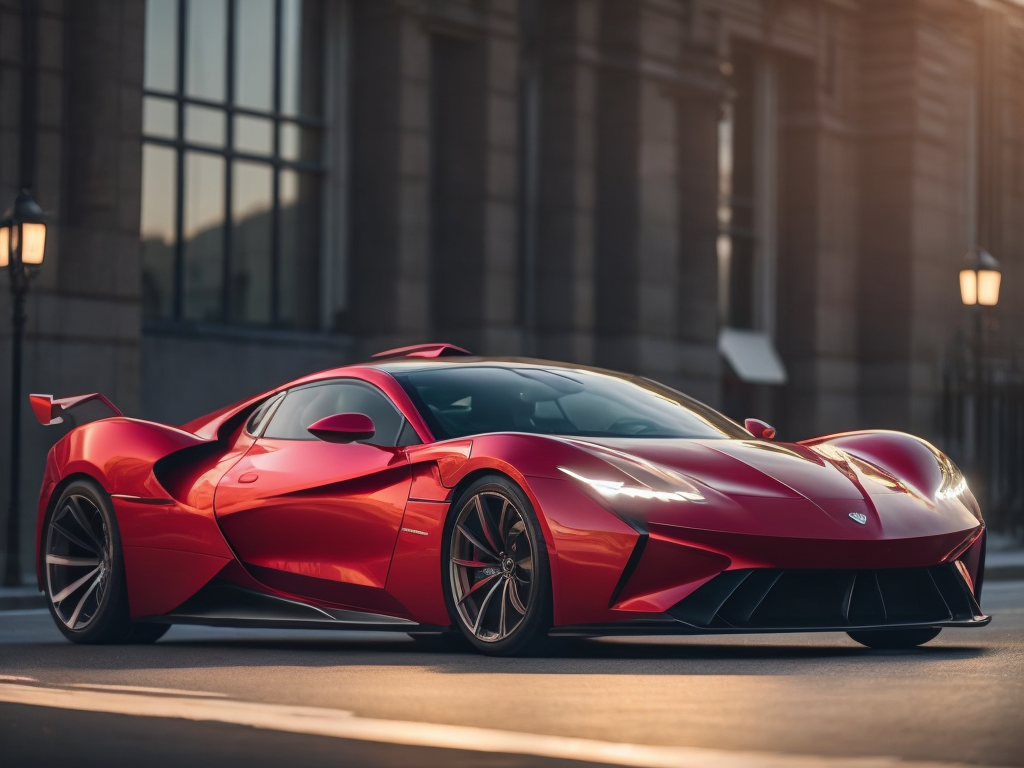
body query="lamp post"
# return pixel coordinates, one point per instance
(979, 288)
(22, 246)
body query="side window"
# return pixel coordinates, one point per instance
(306, 405)
(259, 417)
(408, 435)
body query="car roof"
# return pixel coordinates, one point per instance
(412, 365)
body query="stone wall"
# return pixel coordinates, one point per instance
(84, 330)
(542, 178)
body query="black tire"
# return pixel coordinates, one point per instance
(466, 588)
(894, 639)
(81, 545)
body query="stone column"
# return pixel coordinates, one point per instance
(699, 366)
(917, 73)
(635, 236)
(84, 321)
(390, 109)
(818, 300)
(564, 273)
(656, 185)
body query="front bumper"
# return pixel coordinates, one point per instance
(756, 600)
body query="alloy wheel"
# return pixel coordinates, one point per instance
(491, 566)
(79, 557)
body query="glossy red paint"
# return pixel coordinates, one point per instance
(416, 570)
(173, 527)
(118, 453)
(321, 510)
(350, 525)
(759, 429)
(160, 580)
(343, 428)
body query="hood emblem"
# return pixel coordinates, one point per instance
(859, 517)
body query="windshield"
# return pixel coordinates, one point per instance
(469, 400)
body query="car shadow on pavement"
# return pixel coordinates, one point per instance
(194, 647)
(561, 656)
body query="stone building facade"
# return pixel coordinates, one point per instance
(241, 191)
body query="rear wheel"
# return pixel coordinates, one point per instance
(84, 570)
(894, 639)
(496, 574)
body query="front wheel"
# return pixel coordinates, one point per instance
(84, 570)
(894, 639)
(495, 569)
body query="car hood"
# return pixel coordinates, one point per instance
(760, 484)
(756, 468)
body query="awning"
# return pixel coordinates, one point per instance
(752, 356)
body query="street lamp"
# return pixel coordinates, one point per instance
(979, 288)
(980, 278)
(22, 247)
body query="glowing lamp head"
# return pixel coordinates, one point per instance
(980, 279)
(23, 234)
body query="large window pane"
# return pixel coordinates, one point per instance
(159, 117)
(204, 236)
(253, 202)
(254, 44)
(300, 250)
(206, 50)
(204, 126)
(302, 27)
(161, 45)
(254, 134)
(265, 269)
(159, 193)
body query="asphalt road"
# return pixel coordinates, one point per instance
(220, 696)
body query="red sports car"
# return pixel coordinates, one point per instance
(509, 499)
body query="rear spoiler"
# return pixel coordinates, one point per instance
(441, 349)
(48, 410)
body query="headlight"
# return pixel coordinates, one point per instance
(613, 488)
(953, 482)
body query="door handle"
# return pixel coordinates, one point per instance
(248, 477)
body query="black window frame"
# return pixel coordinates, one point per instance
(230, 110)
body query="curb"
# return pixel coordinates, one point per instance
(22, 602)
(1004, 573)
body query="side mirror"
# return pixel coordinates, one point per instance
(757, 428)
(343, 428)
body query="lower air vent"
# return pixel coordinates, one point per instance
(769, 599)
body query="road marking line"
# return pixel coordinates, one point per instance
(145, 689)
(318, 721)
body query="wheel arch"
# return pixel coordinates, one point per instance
(907, 457)
(475, 474)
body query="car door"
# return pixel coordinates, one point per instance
(314, 518)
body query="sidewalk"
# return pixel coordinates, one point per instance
(1005, 565)
(21, 598)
